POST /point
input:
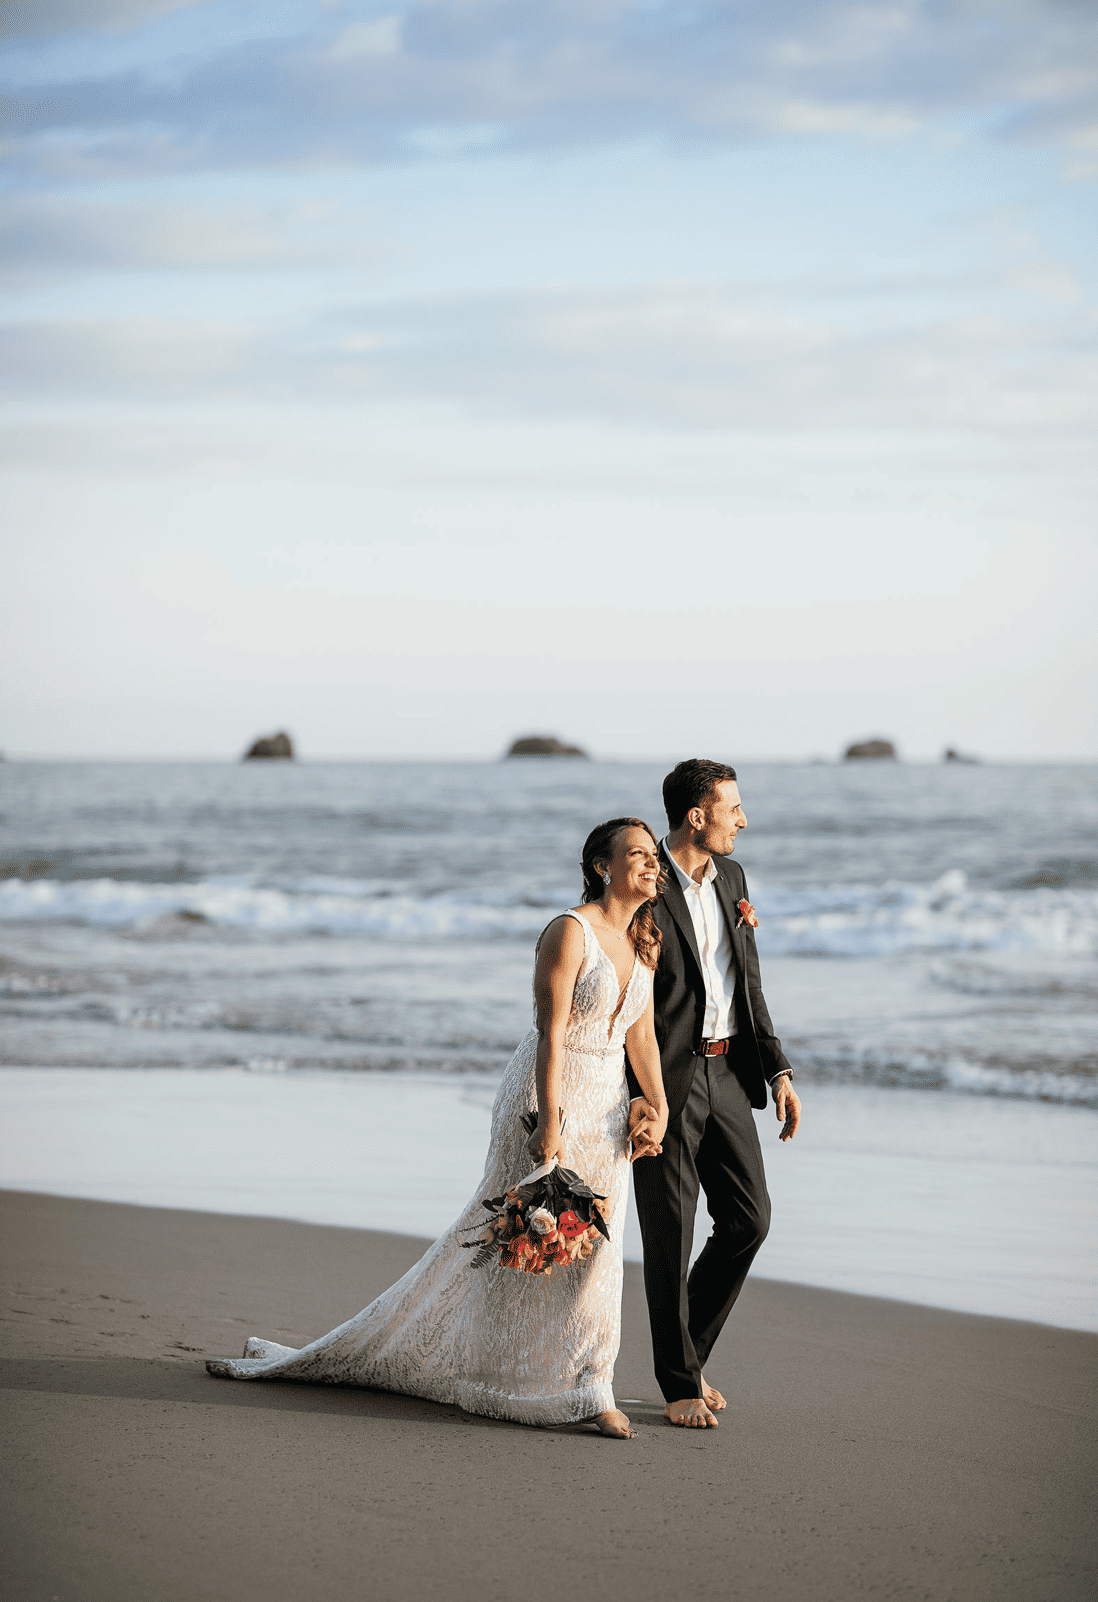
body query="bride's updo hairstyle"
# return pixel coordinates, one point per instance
(600, 846)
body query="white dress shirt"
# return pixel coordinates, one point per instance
(714, 946)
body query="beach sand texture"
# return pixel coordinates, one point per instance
(871, 1448)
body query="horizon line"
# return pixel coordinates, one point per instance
(811, 759)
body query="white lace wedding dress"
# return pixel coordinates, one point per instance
(533, 1348)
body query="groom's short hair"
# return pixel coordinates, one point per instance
(689, 784)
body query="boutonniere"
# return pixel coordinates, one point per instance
(748, 915)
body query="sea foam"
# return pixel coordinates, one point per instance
(843, 921)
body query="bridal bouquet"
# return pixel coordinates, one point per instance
(550, 1218)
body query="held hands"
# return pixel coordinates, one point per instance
(787, 1107)
(647, 1127)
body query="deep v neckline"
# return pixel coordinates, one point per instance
(625, 988)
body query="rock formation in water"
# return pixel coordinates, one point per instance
(543, 745)
(950, 755)
(272, 747)
(870, 751)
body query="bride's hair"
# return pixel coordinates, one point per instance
(600, 846)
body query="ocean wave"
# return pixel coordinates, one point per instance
(235, 904)
(1015, 981)
(848, 921)
(1074, 1083)
(946, 915)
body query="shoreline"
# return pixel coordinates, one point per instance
(930, 1199)
(870, 1447)
(417, 1243)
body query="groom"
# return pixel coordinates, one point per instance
(719, 1052)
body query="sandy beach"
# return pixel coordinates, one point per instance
(871, 1448)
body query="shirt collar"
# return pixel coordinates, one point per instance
(684, 879)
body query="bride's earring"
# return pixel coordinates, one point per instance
(605, 876)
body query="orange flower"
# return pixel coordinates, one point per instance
(570, 1226)
(748, 915)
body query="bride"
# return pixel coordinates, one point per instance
(491, 1340)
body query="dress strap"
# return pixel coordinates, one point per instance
(590, 953)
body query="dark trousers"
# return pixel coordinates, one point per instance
(712, 1146)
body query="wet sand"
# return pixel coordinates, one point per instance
(890, 1192)
(871, 1448)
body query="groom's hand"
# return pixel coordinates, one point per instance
(787, 1107)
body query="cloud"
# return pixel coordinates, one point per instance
(378, 37)
(685, 357)
(714, 356)
(41, 19)
(51, 235)
(565, 72)
(154, 358)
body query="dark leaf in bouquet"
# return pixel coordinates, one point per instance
(486, 1254)
(532, 1193)
(564, 1196)
(574, 1183)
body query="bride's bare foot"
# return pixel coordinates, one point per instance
(615, 1422)
(692, 1414)
(712, 1398)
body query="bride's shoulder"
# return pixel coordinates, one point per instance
(564, 933)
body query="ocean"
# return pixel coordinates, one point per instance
(336, 957)
(922, 926)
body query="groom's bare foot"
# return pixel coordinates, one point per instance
(712, 1398)
(615, 1422)
(692, 1414)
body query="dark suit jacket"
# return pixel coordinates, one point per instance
(679, 993)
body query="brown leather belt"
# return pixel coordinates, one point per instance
(717, 1048)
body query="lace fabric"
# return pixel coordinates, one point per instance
(535, 1349)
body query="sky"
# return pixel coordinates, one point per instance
(676, 378)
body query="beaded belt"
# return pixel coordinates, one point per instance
(593, 1051)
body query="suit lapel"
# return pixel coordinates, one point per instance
(731, 912)
(675, 902)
